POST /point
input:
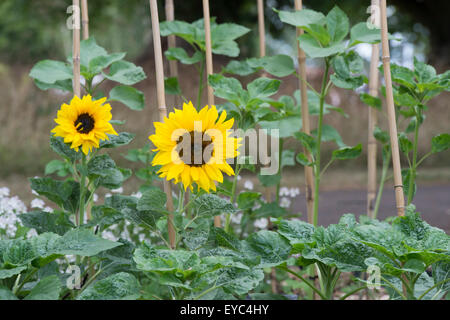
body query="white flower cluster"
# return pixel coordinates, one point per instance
(10, 208)
(286, 193)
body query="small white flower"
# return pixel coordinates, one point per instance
(47, 209)
(137, 194)
(95, 197)
(141, 237)
(294, 192)
(118, 190)
(34, 192)
(109, 235)
(285, 202)
(37, 203)
(238, 178)
(248, 185)
(4, 192)
(283, 192)
(236, 218)
(108, 195)
(261, 223)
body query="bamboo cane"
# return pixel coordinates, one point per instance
(85, 19)
(372, 142)
(159, 68)
(171, 43)
(398, 186)
(309, 179)
(261, 29)
(76, 50)
(209, 68)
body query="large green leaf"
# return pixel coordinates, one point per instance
(337, 24)
(51, 71)
(313, 49)
(119, 286)
(129, 96)
(347, 152)
(125, 72)
(269, 246)
(181, 55)
(47, 288)
(64, 193)
(57, 222)
(279, 65)
(212, 205)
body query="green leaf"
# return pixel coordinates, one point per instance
(307, 141)
(64, 85)
(402, 75)
(212, 205)
(424, 72)
(6, 294)
(370, 100)
(234, 280)
(125, 72)
(122, 139)
(153, 199)
(268, 180)
(287, 126)
(57, 166)
(347, 152)
(89, 50)
(226, 88)
(440, 142)
(271, 209)
(381, 135)
(57, 222)
(171, 86)
(119, 286)
(247, 199)
(181, 55)
(226, 240)
(330, 134)
(279, 65)
(8, 273)
(313, 49)
(64, 193)
(337, 24)
(129, 96)
(97, 64)
(303, 159)
(18, 253)
(242, 68)
(299, 233)
(63, 149)
(360, 33)
(47, 288)
(405, 145)
(263, 87)
(104, 168)
(302, 18)
(51, 71)
(270, 246)
(82, 242)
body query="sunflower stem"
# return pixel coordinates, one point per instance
(233, 194)
(82, 190)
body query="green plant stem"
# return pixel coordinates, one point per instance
(412, 169)
(206, 291)
(429, 289)
(233, 194)
(82, 191)
(318, 143)
(309, 284)
(200, 83)
(381, 186)
(280, 156)
(352, 292)
(181, 200)
(394, 288)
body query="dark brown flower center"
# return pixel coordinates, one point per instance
(199, 145)
(84, 123)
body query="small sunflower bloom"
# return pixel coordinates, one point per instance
(193, 146)
(84, 122)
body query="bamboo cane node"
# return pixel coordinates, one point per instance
(398, 186)
(386, 58)
(84, 21)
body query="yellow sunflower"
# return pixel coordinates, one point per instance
(193, 146)
(84, 122)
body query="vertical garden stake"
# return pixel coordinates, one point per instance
(76, 50)
(85, 19)
(159, 68)
(309, 179)
(398, 186)
(372, 142)
(209, 68)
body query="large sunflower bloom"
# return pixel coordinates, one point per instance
(84, 122)
(193, 146)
